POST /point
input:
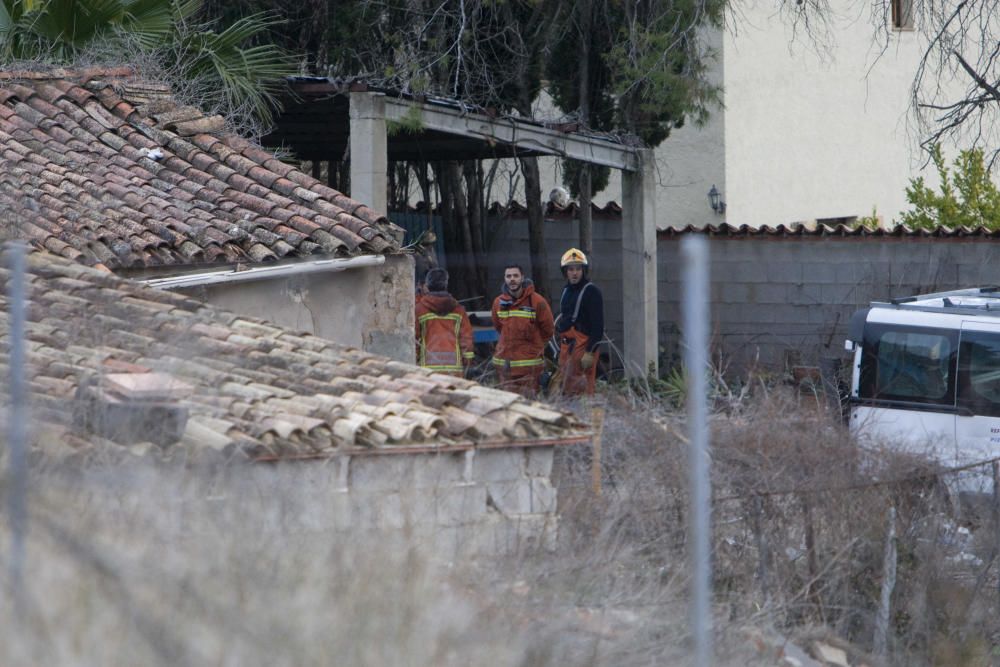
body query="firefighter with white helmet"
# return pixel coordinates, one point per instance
(580, 326)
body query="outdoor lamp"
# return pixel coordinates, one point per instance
(715, 200)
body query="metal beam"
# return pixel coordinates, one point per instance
(263, 272)
(522, 134)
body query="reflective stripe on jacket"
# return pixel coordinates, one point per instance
(525, 325)
(443, 332)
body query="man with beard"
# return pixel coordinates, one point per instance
(524, 321)
(443, 329)
(580, 326)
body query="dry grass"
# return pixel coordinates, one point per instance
(140, 564)
(800, 521)
(232, 567)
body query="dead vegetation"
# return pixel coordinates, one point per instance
(169, 564)
(801, 520)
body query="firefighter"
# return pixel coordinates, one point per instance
(443, 329)
(524, 321)
(580, 325)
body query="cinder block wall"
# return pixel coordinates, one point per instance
(776, 300)
(787, 300)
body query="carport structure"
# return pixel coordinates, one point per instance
(328, 119)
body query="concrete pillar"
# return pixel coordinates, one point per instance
(639, 297)
(369, 151)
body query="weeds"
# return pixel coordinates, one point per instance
(800, 526)
(239, 564)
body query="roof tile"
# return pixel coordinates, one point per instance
(205, 141)
(278, 167)
(220, 171)
(123, 110)
(111, 160)
(282, 248)
(261, 253)
(240, 182)
(200, 159)
(331, 243)
(42, 106)
(240, 163)
(255, 204)
(264, 176)
(170, 115)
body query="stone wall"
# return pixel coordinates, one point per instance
(477, 502)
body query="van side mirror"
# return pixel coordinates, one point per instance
(849, 345)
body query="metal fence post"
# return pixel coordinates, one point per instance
(694, 251)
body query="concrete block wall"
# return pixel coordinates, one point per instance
(776, 301)
(788, 300)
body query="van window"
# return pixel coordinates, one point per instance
(979, 373)
(908, 364)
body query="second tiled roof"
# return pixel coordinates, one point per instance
(101, 169)
(256, 390)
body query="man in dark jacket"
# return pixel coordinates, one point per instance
(580, 325)
(443, 330)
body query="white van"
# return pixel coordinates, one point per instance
(926, 376)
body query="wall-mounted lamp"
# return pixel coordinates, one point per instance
(715, 200)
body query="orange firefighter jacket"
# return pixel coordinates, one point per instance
(444, 333)
(525, 325)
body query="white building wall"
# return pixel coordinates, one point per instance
(693, 159)
(809, 129)
(815, 132)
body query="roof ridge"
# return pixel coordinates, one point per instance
(77, 75)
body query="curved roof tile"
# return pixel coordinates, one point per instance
(256, 390)
(813, 229)
(102, 146)
(841, 230)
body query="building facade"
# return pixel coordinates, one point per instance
(813, 126)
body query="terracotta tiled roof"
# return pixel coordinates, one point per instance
(104, 169)
(819, 230)
(257, 390)
(571, 210)
(812, 229)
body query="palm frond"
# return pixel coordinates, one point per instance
(240, 75)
